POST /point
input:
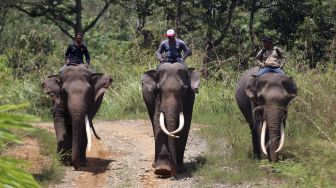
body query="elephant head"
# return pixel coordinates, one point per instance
(79, 92)
(169, 95)
(271, 95)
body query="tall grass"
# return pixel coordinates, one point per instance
(308, 158)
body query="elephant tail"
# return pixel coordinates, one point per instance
(94, 131)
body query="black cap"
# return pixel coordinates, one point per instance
(267, 39)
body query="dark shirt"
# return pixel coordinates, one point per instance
(172, 51)
(75, 54)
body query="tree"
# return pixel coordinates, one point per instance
(253, 6)
(174, 10)
(143, 9)
(3, 13)
(217, 16)
(285, 19)
(64, 14)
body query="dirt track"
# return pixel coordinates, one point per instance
(123, 158)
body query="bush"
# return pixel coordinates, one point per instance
(12, 174)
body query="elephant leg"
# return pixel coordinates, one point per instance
(182, 141)
(63, 137)
(162, 156)
(256, 141)
(150, 99)
(180, 147)
(172, 155)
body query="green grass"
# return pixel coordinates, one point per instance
(54, 172)
(309, 156)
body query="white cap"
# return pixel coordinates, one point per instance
(170, 33)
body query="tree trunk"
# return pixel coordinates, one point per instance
(78, 7)
(178, 17)
(251, 24)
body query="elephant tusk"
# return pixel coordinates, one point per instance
(282, 138)
(88, 133)
(163, 127)
(181, 125)
(263, 137)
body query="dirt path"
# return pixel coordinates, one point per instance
(123, 158)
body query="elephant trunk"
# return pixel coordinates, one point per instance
(274, 128)
(78, 113)
(77, 136)
(171, 122)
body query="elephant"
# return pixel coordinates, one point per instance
(169, 95)
(264, 102)
(77, 94)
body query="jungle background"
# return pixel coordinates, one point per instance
(122, 37)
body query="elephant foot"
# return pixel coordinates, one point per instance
(181, 168)
(76, 165)
(257, 156)
(83, 162)
(163, 169)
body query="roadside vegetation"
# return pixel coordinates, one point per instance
(12, 174)
(31, 52)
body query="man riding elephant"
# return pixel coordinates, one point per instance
(75, 52)
(271, 58)
(263, 95)
(169, 95)
(77, 95)
(170, 49)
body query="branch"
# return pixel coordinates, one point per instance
(45, 12)
(93, 22)
(30, 13)
(227, 25)
(53, 14)
(66, 32)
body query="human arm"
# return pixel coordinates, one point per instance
(159, 52)
(67, 54)
(186, 50)
(259, 56)
(281, 55)
(87, 55)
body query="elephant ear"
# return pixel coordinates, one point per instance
(251, 88)
(148, 81)
(149, 92)
(100, 82)
(290, 86)
(52, 86)
(194, 79)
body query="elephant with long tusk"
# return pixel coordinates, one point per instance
(169, 94)
(179, 129)
(77, 95)
(264, 103)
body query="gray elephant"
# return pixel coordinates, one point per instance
(77, 95)
(169, 94)
(264, 103)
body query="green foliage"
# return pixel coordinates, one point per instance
(54, 172)
(12, 174)
(32, 51)
(33, 54)
(308, 158)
